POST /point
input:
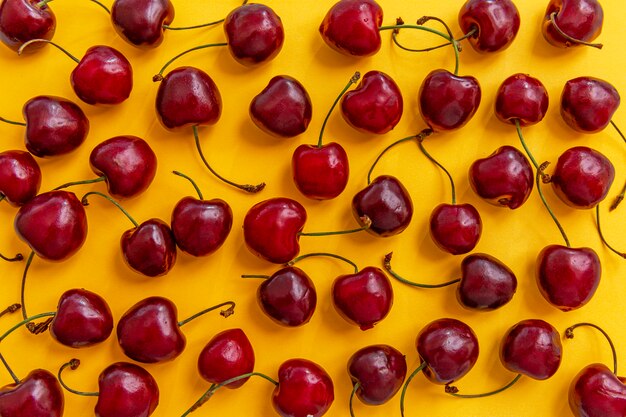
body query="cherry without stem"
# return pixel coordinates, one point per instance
(20, 177)
(25, 20)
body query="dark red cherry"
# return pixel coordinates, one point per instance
(532, 348)
(39, 394)
(188, 97)
(588, 104)
(597, 392)
(20, 177)
(320, 173)
(379, 370)
(283, 108)
(54, 126)
(53, 224)
(386, 203)
(448, 101)
(363, 298)
(149, 248)
(126, 390)
(351, 27)
(582, 177)
(568, 277)
(375, 105)
(288, 297)
(486, 283)
(522, 98)
(271, 229)
(496, 22)
(304, 389)
(579, 20)
(24, 20)
(227, 355)
(254, 33)
(127, 163)
(83, 318)
(455, 228)
(504, 178)
(140, 22)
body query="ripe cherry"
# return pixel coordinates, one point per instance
(588, 104)
(495, 24)
(521, 99)
(20, 177)
(37, 395)
(142, 23)
(573, 22)
(24, 20)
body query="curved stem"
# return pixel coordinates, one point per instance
(26, 321)
(203, 25)
(354, 390)
(12, 122)
(85, 202)
(394, 38)
(367, 223)
(18, 257)
(101, 5)
(204, 398)
(387, 266)
(423, 134)
(260, 276)
(180, 174)
(42, 3)
(622, 254)
(434, 161)
(406, 385)
(23, 287)
(83, 182)
(224, 313)
(353, 80)
(569, 333)
(619, 132)
(59, 47)
(249, 188)
(618, 199)
(454, 390)
(329, 255)
(539, 176)
(521, 138)
(8, 368)
(73, 364)
(159, 76)
(567, 37)
(10, 309)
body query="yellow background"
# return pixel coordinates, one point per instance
(242, 152)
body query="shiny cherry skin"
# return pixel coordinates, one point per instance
(497, 22)
(228, 354)
(39, 394)
(288, 297)
(126, 390)
(588, 104)
(455, 228)
(568, 277)
(149, 333)
(127, 162)
(150, 248)
(271, 229)
(188, 97)
(283, 108)
(379, 370)
(20, 177)
(532, 348)
(24, 20)
(140, 23)
(54, 126)
(579, 19)
(386, 203)
(447, 101)
(351, 27)
(53, 224)
(522, 98)
(582, 177)
(304, 389)
(83, 319)
(254, 33)
(320, 173)
(375, 105)
(486, 283)
(364, 298)
(449, 348)
(103, 76)
(597, 392)
(504, 178)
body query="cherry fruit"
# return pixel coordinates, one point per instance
(597, 392)
(24, 20)
(573, 22)
(39, 394)
(304, 389)
(140, 23)
(455, 228)
(521, 99)
(227, 355)
(20, 177)
(495, 22)
(588, 104)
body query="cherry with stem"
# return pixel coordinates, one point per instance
(568, 40)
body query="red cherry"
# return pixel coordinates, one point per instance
(455, 228)
(227, 355)
(572, 22)
(320, 173)
(304, 389)
(140, 22)
(597, 392)
(486, 283)
(588, 104)
(24, 20)
(496, 23)
(126, 390)
(39, 394)
(20, 177)
(149, 248)
(521, 98)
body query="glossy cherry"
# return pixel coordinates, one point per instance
(588, 104)
(39, 394)
(597, 392)
(283, 108)
(20, 177)
(455, 228)
(228, 354)
(572, 22)
(521, 98)
(496, 23)
(24, 20)
(140, 23)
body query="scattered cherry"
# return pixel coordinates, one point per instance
(142, 23)
(521, 99)
(227, 355)
(24, 20)
(37, 395)
(570, 23)
(588, 104)
(20, 177)
(495, 24)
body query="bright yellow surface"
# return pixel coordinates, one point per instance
(242, 152)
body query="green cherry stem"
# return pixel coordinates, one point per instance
(59, 47)
(328, 255)
(204, 398)
(353, 80)
(569, 334)
(567, 37)
(9, 370)
(452, 390)
(101, 5)
(618, 130)
(434, 161)
(355, 388)
(259, 276)
(224, 313)
(73, 365)
(10, 309)
(83, 182)
(18, 257)
(539, 179)
(195, 186)
(367, 223)
(12, 122)
(29, 260)
(26, 321)
(42, 3)
(518, 127)
(618, 199)
(387, 266)
(159, 76)
(406, 385)
(85, 202)
(622, 254)
(203, 25)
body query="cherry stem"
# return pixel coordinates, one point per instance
(452, 390)
(249, 188)
(434, 161)
(353, 80)
(567, 37)
(569, 334)
(2, 197)
(25, 44)
(83, 182)
(518, 127)
(217, 22)
(259, 276)
(159, 76)
(541, 177)
(10, 309)
(387, 266)
(42, 3)
(180, 174)
(329, 255)
(354, 390)
(101, 5)
(26, 321)
(224, 313)
(394, 38)
(618, 130)
(73, 365)
(367, 224)
(618, 199)
(18, 257)
(420, 136)
(11, 122)
(85, 202)
(200, 402)
(622, 254)
(8, 368)
(23, 289)
(406, 385)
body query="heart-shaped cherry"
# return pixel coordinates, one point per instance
(39, 394)
(495, 24)
(24, 20)
(588, 104)
(283, 108)
(573, 22)
(375, 105)
(20, 177)
(523, 99)
(141, 22)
